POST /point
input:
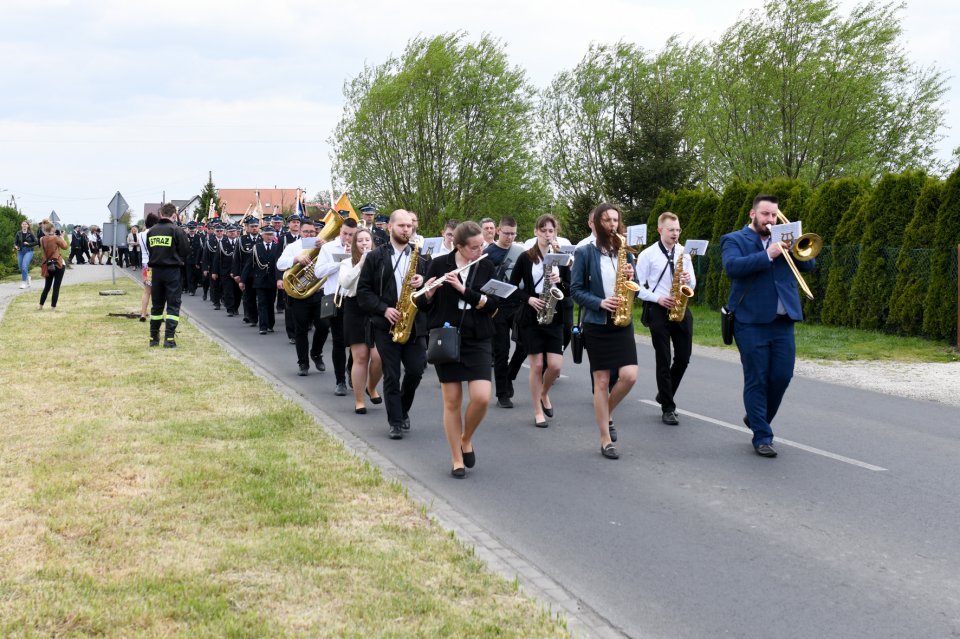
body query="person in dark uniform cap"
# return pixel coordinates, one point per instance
(194, 272)
(261, 271)
(211, 252)
(244, 250)
(380, 236)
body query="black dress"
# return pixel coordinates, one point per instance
(476, 325)
(535, 337)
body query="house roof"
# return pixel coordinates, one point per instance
(151, 207)
(239, 201)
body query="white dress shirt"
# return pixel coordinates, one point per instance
(327, 257)
(650, 264)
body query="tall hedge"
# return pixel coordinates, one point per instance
(888, 213)
(725, 219)
(940, 308)
(844, 257)
(10, 220)
(913, 268)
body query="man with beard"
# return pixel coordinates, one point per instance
(378, 289)
(765, 301)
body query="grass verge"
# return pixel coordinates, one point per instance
(143, 494)
(835, 343)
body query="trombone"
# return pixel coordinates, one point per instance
(807, 247)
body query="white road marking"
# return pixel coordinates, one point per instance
(779, 440)
(562, 376)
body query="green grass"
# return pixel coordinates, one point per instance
(142, 495)
(835, 343)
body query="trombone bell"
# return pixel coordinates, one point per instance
(807, 247)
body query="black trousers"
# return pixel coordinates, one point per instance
(501, 353)
(54, 282)
(281, 301)
(229, 293)
(663, 333)
(266, 298)
(194, 275)
(306, 314)
(78, 253)
(249, 301)
(288, 322)
(166, 292)
(398, 395)
(217, 286)
(339, 353)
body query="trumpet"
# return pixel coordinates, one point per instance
(804, 249)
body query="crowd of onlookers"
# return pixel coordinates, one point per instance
(87, 246)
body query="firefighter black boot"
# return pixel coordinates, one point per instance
(170, 334)
(155, 332)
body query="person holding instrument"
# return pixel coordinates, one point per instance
(765, 303)
(366, 371)
(542, 336)
(385, 273)
(660, 267)
(602, 273)
(459, 302)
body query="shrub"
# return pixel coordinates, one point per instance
(940, 307)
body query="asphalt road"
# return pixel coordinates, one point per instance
(852, 532)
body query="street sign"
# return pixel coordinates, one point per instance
(118, 206)
(54, 217)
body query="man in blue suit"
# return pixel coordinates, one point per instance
(765, 303)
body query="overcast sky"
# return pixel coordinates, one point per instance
(106, 95)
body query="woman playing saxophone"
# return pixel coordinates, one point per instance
(602, 280)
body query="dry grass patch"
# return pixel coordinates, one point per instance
(140, 497)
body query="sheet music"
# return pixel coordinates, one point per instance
(637, 235)
(498, 288)
(786, 232)
(431, 245)
(696, 247)
(557, 259)
(308, 242)
(568, 249)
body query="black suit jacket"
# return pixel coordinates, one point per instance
(377, 288)
(444, 307)
(261, 268)
(523, 274)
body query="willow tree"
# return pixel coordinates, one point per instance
(443, 130)
(799, 90)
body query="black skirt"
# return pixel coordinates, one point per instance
(354, 323)
(609, 347)
(476, 356)
(538, 339)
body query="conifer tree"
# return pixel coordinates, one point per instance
(940, 308)
(209, 193)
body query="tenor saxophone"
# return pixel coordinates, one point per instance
(406, 304)
(625, 289)
(681, 293)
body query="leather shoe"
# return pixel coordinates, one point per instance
(406, 423)
(318, 362)
(670, 418)
(459, 473)
(362, 410)
(613, 431)
(504, 402)
(304, 369)
(341, 390)
(766, 450)
(541, 424)
(546, 411)
(609, 451)
(395, 431)
(469, 459)
(375, 400)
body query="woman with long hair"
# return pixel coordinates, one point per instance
(23, 243)
(152, 218)
(459, 302)
(367, 370)
(610, 348)
(52, 266)
(543, 342)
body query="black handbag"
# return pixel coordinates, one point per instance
(726, 325)
(52, 266)
(443, 345)
(328, 306)
(645, 313)
(576, 340)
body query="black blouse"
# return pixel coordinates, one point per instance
(523, 274)
(444, 307)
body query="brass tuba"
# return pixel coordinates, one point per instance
(300, 281)
(625, 289)
(681, 293)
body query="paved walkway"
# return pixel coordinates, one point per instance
(82, 274)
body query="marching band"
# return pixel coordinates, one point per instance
(376, 276)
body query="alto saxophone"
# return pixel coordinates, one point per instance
(550, 296)
(624, 288)
(681, 293)
(406, 304)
